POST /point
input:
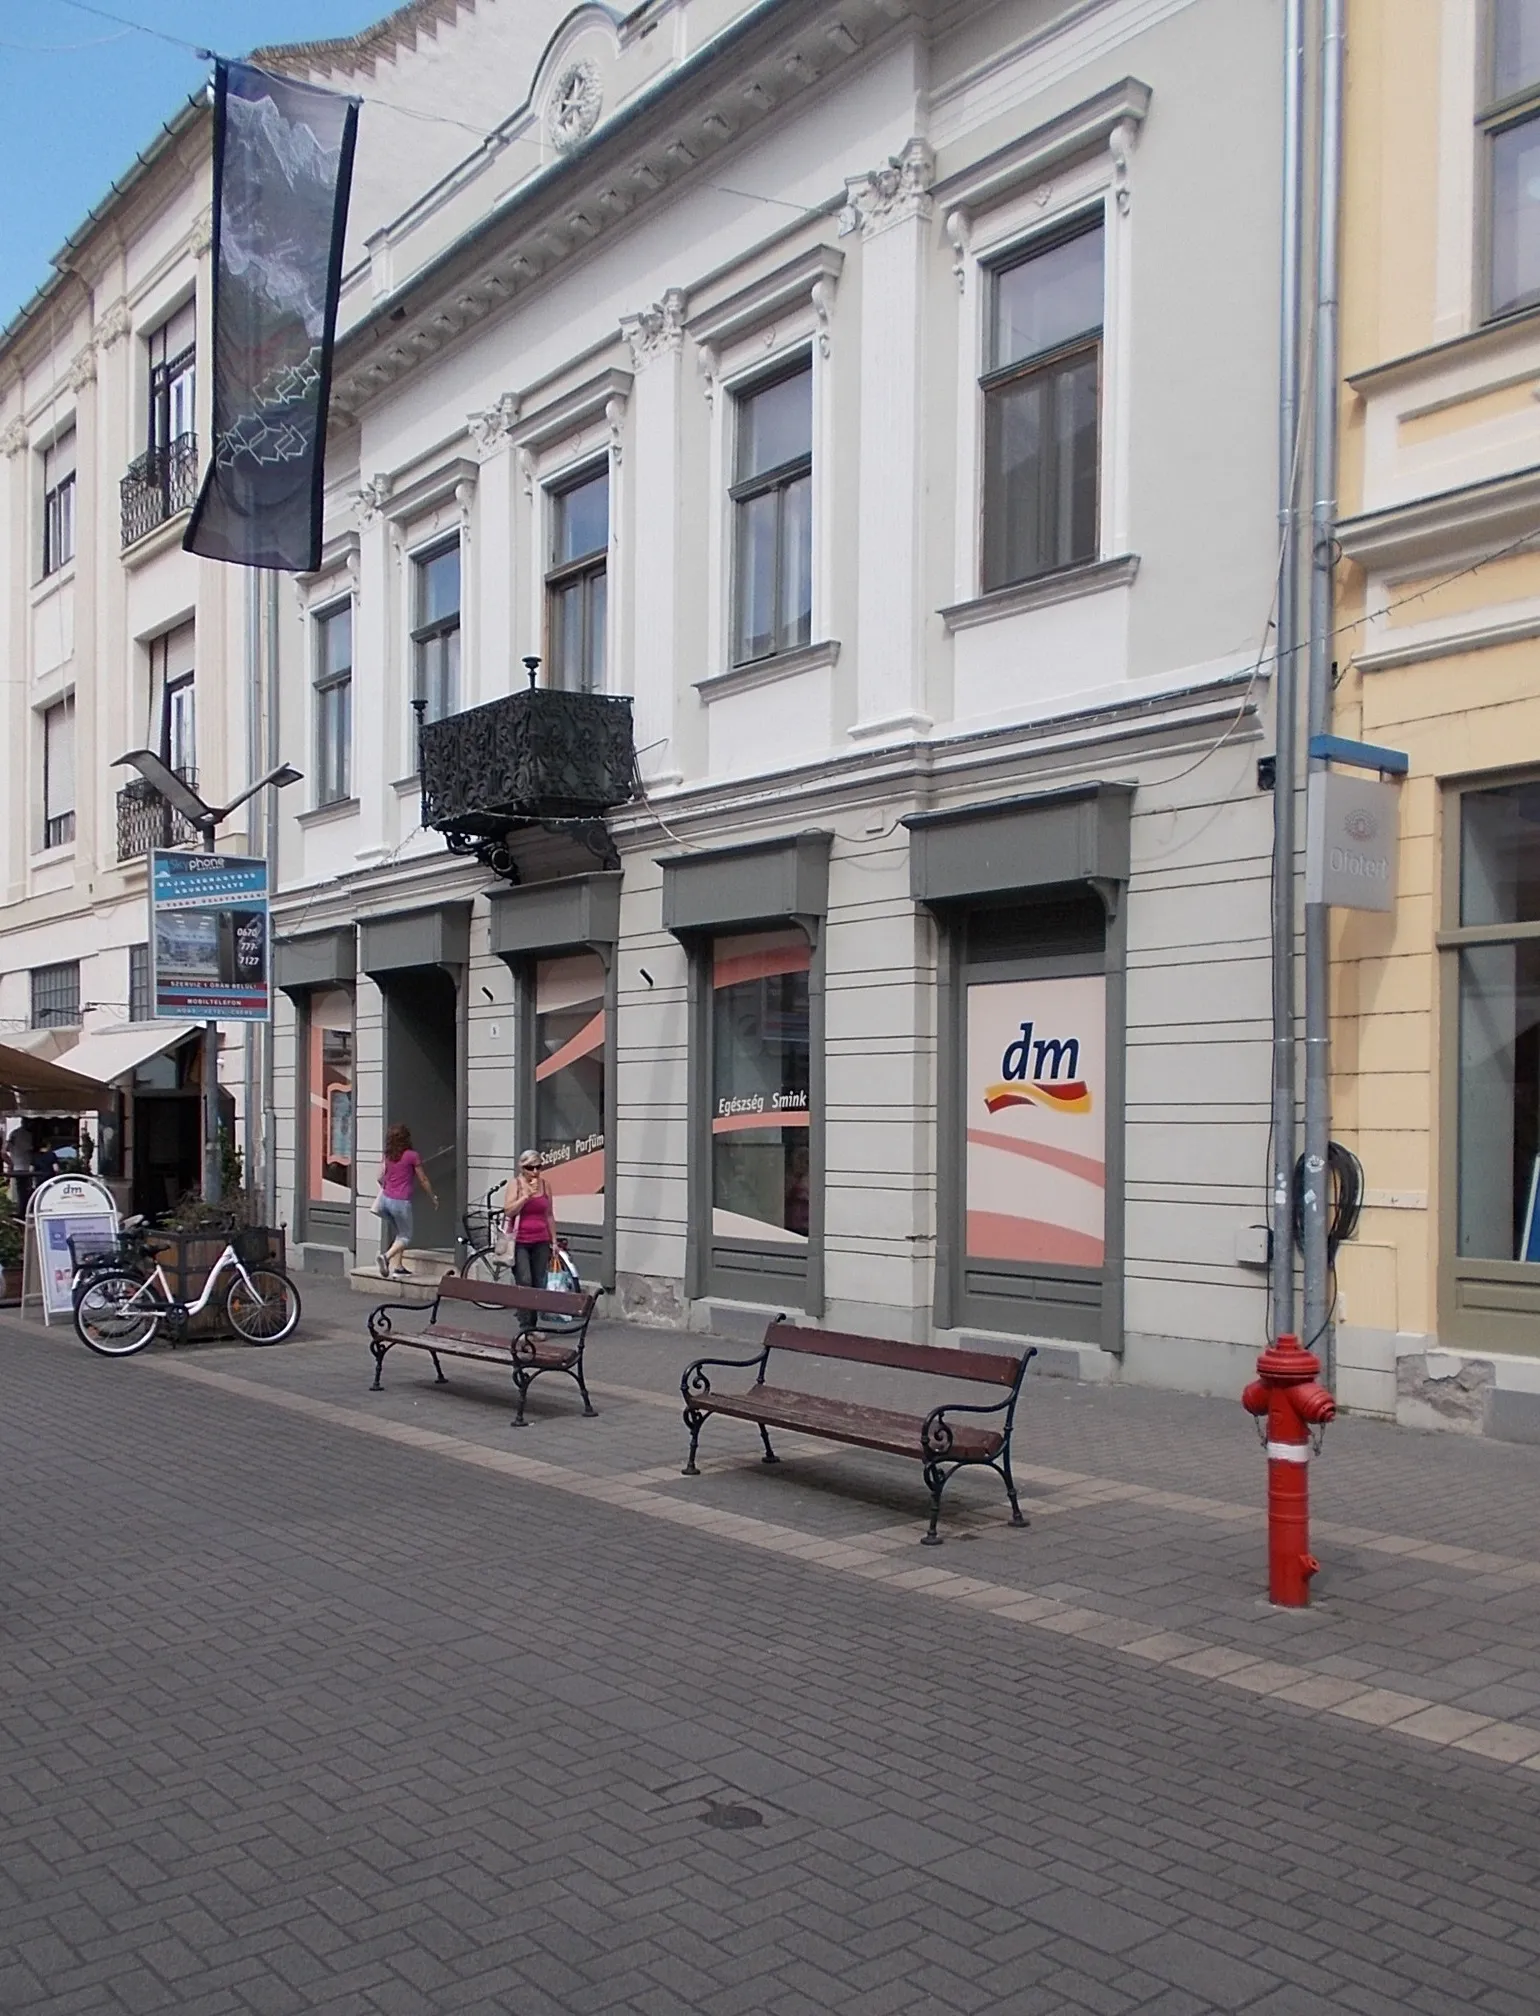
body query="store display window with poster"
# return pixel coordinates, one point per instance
(571, 1029)
(329, 1111)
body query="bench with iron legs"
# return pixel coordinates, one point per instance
(942, 1444)
(462, 1323)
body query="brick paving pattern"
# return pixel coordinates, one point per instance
(298, 1713)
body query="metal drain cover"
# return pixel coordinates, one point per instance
(732, 1816)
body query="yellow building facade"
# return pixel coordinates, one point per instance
(1436, 1006)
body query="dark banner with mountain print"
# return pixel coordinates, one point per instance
(283, 164)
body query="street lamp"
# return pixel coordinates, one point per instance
(181, 797)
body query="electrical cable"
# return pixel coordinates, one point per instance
(1345, 1178)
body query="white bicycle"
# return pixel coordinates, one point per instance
(118, 1313)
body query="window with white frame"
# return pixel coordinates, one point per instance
(436, 631)
(772, 499)
(1509, 125)
(333, 703)
(577, 583)
(59, 503)
(59, 774)
(174, 694)
(173, 382)
(1041, 392)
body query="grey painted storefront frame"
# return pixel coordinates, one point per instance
(318, 963)
(758, 886)
(397, 943)
(580, 913)
(1065, 842)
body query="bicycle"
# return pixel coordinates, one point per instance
(483, 1262)
(119, 1313)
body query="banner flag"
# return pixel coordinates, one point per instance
(283, 166)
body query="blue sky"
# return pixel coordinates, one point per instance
(83, 95)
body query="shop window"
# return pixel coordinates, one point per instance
(1041, 390)
(570, 1034)
(1499, 1026)
(761, 1106)
(1509, 132)
(330, 1118)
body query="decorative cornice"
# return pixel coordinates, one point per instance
(811, 277)
(371, 500)
(113, 324)
(1110, 120)
(896, 194)
(82, 371)
(656, 331)
(201, 236)
(14, 439)
(1434, 530)
(539, 426)
(490, 430)
(1067, 584)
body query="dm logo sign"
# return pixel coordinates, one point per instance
(1040, 1069)
(1036, 1154)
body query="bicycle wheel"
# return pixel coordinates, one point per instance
(117, 1314)
(485, 1266)
(267, 1311)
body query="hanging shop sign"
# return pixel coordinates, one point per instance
(209, 938)
(64, 1208)
(1036, 1121)
(1351, 829)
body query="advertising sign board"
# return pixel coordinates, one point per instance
(1351, 828)
(209, 938)
(65, 1208)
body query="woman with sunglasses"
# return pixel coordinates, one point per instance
(529, 1220)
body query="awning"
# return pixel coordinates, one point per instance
(49, 1043)
(33, 1085)
(112, 1053)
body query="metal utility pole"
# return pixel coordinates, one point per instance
(272, 762)
(213, 1186)
(1323, 526)
(1286, 682)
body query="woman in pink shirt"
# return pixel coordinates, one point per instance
(529, 1219)
(401, 1167)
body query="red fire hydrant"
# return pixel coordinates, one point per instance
(1286, 1391)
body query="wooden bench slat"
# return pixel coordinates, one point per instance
(547, 1355)
(983, 1368)
(506, 1295)
(843, 1421)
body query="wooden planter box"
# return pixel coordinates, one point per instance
(189, 1256)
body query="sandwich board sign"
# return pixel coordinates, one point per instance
(64, 1208)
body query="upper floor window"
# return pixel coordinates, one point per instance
(436, 632)
(59, 503)
(173, 689)
(577, 583)
(59, 774)
(56, 996)
(139, 983)
(172, 380)
(1509, 123)
(1041, 388)
(333, 703)
(773, 516)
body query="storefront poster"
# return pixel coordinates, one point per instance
(569, 1084)
(1036, 1121)
(761, 1107)
(330, 1024)
(66, 1208)
(209, 938)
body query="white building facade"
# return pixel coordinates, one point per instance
(880, 398)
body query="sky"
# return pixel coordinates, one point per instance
(81, 96)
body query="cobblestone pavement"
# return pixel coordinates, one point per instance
(313, 1699)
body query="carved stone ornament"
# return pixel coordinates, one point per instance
(489, 430)
(959, 234)
(82, 371)
(373, 497)
(1120, 145)
(891, 195)
(656, 331)
(201, 237)
(614, 416)
(575, 104)
(113, 324)
(823, 308)
(14, 439)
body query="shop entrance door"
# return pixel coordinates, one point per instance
(422, 1088)
(167, 1151)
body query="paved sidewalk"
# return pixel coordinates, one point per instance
(319, 1699)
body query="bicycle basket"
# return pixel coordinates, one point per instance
(92, 1250)
(253, 1247)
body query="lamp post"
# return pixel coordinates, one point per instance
(179, 794)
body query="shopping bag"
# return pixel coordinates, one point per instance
(562, 1277)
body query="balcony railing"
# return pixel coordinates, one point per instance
(146, 821)
(159, 485)
(558, 760)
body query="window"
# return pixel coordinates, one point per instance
(59, 774)
(1041, 396)
(329, 1018)
(436, 637)
(59, 503)
(569, 1057)
(761, 1088)
(173, 689)
(1499, 1025)
(56, 996)
(334, 703)
(576, 587)
(172, 381)
(773, 517)
(139, 1004)
(1509, 125)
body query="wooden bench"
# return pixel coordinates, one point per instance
(934, 1440)
(461, 1324)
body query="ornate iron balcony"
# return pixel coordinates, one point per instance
(158, 486)
(145, 820)
(537, 758)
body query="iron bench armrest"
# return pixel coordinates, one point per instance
(380, 1324)
(695, 1386)
(936, 1436)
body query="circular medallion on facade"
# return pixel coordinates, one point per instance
(574, 108)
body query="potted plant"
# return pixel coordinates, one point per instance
(11, 1236)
